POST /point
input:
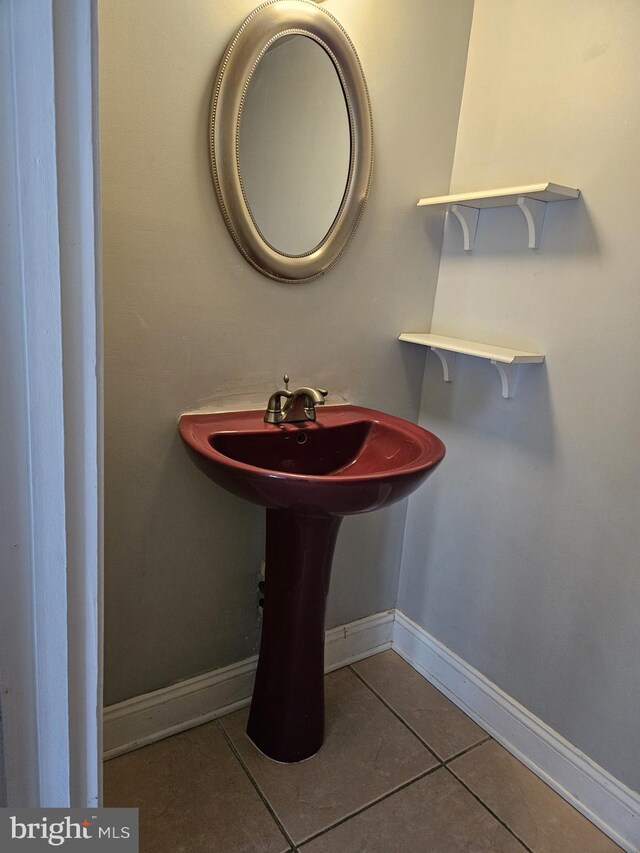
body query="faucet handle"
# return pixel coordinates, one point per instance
(285, 379)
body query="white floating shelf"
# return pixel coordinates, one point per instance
(531, 199)
(504, 359)
(505, 196)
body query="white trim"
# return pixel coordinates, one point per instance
(75, 55)
(33, 607)
(358, 640)
(145, 719)
(594, 792)
(17, 672)
(49, 397)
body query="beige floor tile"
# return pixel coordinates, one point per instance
(433, 815)
(193, 796)
(367, 753)
(443, 726)
(535, 813)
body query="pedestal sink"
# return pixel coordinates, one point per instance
(308, 476)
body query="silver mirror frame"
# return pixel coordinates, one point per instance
(269, 22)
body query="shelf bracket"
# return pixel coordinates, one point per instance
(468, 219)
(534, 211)
(508, 375)
(448, 362)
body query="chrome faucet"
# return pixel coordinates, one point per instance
(299, 405)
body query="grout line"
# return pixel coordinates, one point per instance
(277, 820)
(371, 804)
(398, 717)
(443, 763)
(491, 812)
(468, 749)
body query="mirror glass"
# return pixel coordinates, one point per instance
(294, 144)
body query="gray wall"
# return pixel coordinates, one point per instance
(521, 554)
(188, 321)
(3, 782)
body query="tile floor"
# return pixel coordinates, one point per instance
(402, 769)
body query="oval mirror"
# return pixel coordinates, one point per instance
(294, 145)
(291, 139)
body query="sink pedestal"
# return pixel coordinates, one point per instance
(351, 460)
(286, 721)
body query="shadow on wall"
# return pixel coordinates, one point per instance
(471, 555)
(473, 402)
(502, 231)
(486, 436)
(195, 576)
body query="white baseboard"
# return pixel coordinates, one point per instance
(594, 792)
(144, 719)
(605, 801)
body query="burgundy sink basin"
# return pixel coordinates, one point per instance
(308, 475)
(349, 460)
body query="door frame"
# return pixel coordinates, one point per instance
(50, 405)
